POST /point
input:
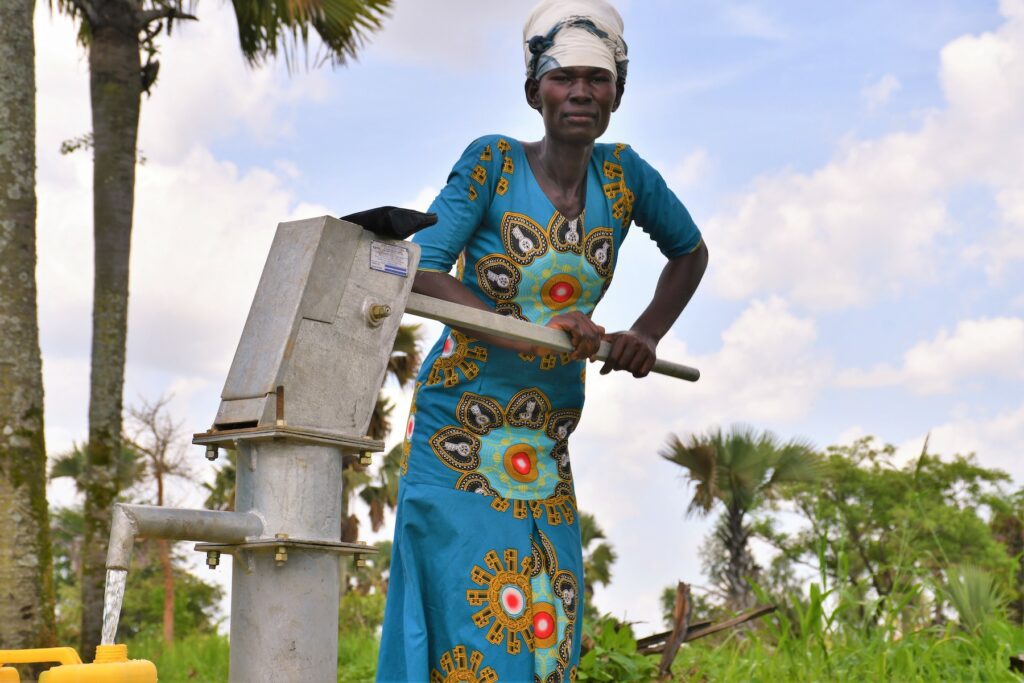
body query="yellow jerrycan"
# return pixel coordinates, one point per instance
(111, 666)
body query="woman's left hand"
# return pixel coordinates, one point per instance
(632, 351)
(585, 333)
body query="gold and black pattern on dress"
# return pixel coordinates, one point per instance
(550, 361)
(504, 600)
(567, 236)
(555, 595)
(460, 447)
(460, 353)
(457, 668)
(567, 590)
(456, 448)
(560, 454)
(618, 190)
(599, 250)
(523, 238)
(512, 310)
(528, 408)
(479, 414)
(479, 174)
(410, 427)
(498, 277)
(474, 482)
(562, 423)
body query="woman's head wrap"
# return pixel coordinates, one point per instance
(562, 33)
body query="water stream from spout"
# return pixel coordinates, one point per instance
(113, 597)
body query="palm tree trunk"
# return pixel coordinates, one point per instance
(26, 575)
(740, 563)
(115, 91)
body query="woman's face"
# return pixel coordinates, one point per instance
(576, 102)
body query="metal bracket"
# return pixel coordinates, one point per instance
(339, 547)
(227, 438)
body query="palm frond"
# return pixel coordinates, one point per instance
(796, 462)
(266, 27)
(700, 461)
(974, 594)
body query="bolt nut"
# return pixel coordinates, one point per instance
(376, 313)
(365, 458)
(212, 558)
(211, 452)
(358, 562)
(281, 556)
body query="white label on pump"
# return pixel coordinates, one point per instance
(389, 258)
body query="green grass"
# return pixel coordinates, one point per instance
(193, 659)
(946, 655)
(929, 655)
(204, 658)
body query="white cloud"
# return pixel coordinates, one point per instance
(194, 103)
(767, 369)
(750, 20)
(974, 351)
(878, 93)
(452, 33)
(688, 172)
(423, 198)
(994, 439)
(869, 222)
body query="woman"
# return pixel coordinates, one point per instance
(488, 587)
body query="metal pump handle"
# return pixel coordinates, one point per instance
(468, 318)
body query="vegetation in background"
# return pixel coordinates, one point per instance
(937, 620)
(162, 598)
(598, 558)
(742, 470)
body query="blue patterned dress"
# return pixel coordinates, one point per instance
(486, 573)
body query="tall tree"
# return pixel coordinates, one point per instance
(739, 469)
(117, 34)
(26, 581)
(157, 440)
(880, 527)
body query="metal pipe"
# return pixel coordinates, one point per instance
(476, 320)
(152, 521)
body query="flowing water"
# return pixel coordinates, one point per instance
(113, 597)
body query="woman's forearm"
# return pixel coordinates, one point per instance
(444, 286)
(676, 285)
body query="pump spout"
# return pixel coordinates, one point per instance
(151, 521)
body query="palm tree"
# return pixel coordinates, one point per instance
(740, 470)
(117, 34)
(27, 602)
(598, 558)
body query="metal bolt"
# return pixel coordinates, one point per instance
(365, 458)
(281, 554)
(212, 558)
(211, 452)
(377, 312)
(358, 561)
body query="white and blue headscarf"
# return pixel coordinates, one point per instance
(563, 33)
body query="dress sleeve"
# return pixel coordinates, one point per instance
(657, 210)
(460, 206)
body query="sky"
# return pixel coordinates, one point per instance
(857, 170)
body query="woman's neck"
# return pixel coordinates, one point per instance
(561, 170)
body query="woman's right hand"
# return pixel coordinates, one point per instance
(586, 335)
